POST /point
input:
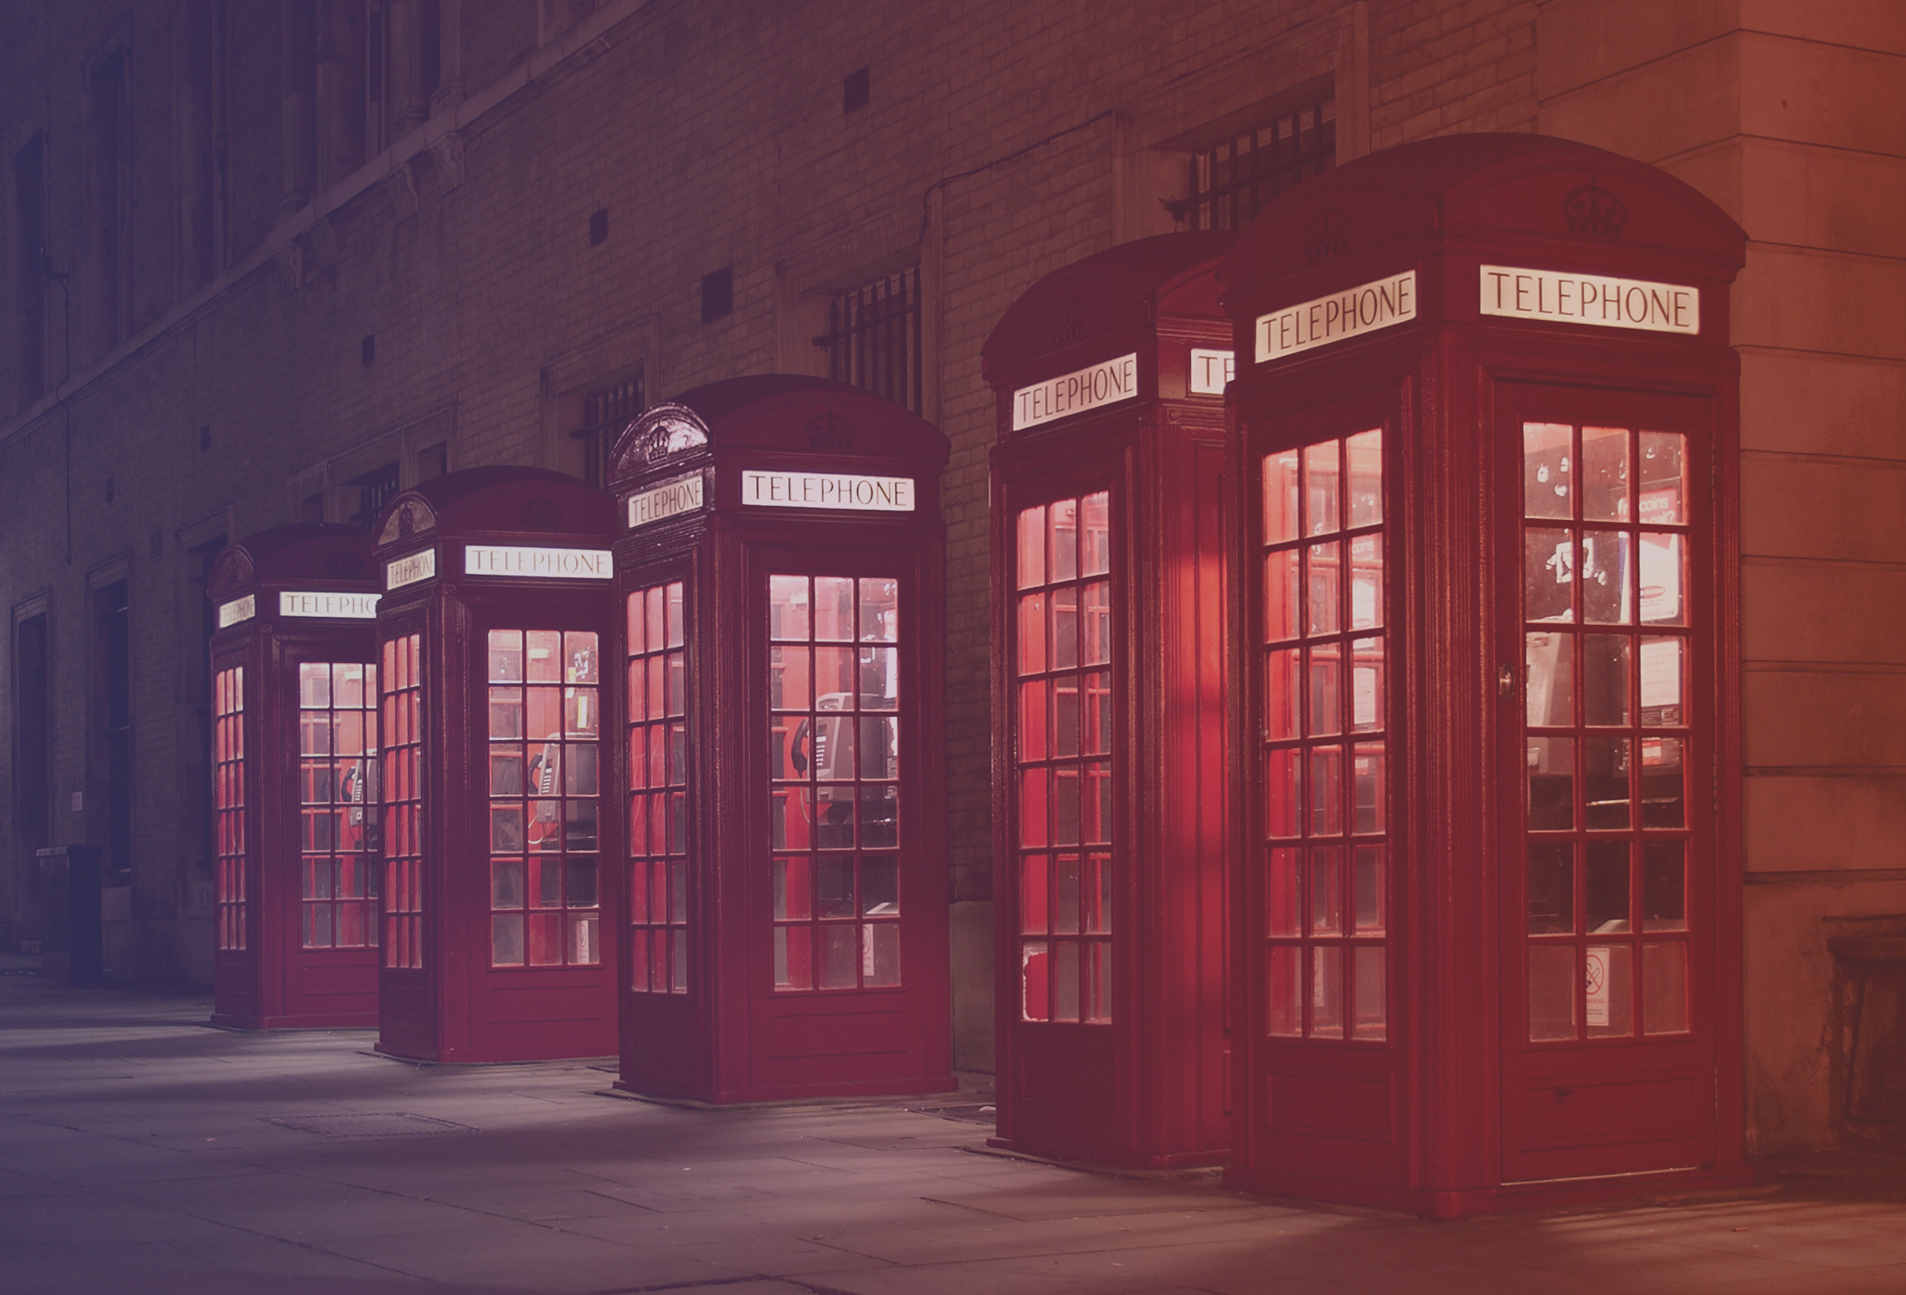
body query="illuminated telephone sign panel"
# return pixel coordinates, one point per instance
(293, 779)
(779, 638)
(1107, 589)
(1486, 828)
(499, 889)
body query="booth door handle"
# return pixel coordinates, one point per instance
(1506, 681)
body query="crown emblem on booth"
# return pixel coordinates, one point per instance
(1066, 325)
(412, 516)
(829, 431)
(1595, 211)
(540, 515)
(234, 570)
(1325, 235)
(668, 434)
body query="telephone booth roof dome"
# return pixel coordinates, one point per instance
(774, 412)
(497, 499)
(327, 552)
(1115, 292)
(1483, 190)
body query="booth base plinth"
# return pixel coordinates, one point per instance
(1111, 1157)
(478, 1056)
(336, 1021)
(1461, 1202)
(704, 1099)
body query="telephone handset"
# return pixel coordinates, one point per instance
(543, 824)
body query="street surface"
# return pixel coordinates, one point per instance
(142, 1152)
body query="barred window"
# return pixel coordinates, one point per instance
(1238, 177)
(873, 338)
(373, 490)
(605, 414)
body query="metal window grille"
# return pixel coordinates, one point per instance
(604, 414)
(1237, 178)
(873, 338)
(374, 490)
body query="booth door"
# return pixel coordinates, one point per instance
(405, 1017)
(330, 913)
(540, 984)
(236, 977)
(1607, 782)
(842, 866)
(659, 1037)
(1066, 1079)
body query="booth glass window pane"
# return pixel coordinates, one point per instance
(400, 686)
(1552, 984)
(1606, 730)
(1325, 804)
(228, 805)
(1664, 981)
(834, 771)
(658, 848)
(1369, 990)
(1063, 748)
(544, 689)
(337, 762)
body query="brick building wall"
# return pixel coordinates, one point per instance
(444, 291)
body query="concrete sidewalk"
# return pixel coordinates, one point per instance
(141, 1151)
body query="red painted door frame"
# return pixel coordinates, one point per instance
(1436, 1117)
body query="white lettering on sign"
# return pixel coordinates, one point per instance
(681, 495)
(409, 571)
(1210, 370)
(1365, 308)
(1105, 383)
(237, 610)
(1590, 299)
(328, 603)
(537, 563)
(827, 490)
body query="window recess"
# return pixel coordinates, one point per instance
(873, 337)
(1238, 176)
(605, 412)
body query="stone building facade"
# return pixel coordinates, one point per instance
(268, 262)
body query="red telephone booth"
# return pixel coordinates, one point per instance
(294, 800)
(490, 638)
(1486, 765)
(781, 622)
(1108, 721)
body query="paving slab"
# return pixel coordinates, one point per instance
(143, 1152)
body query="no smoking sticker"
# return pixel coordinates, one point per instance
(1597, 969)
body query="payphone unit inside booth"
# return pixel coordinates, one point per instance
(1108, 724)
(498, 827)
(780, 625)
(1486, 806)
(294, 780)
